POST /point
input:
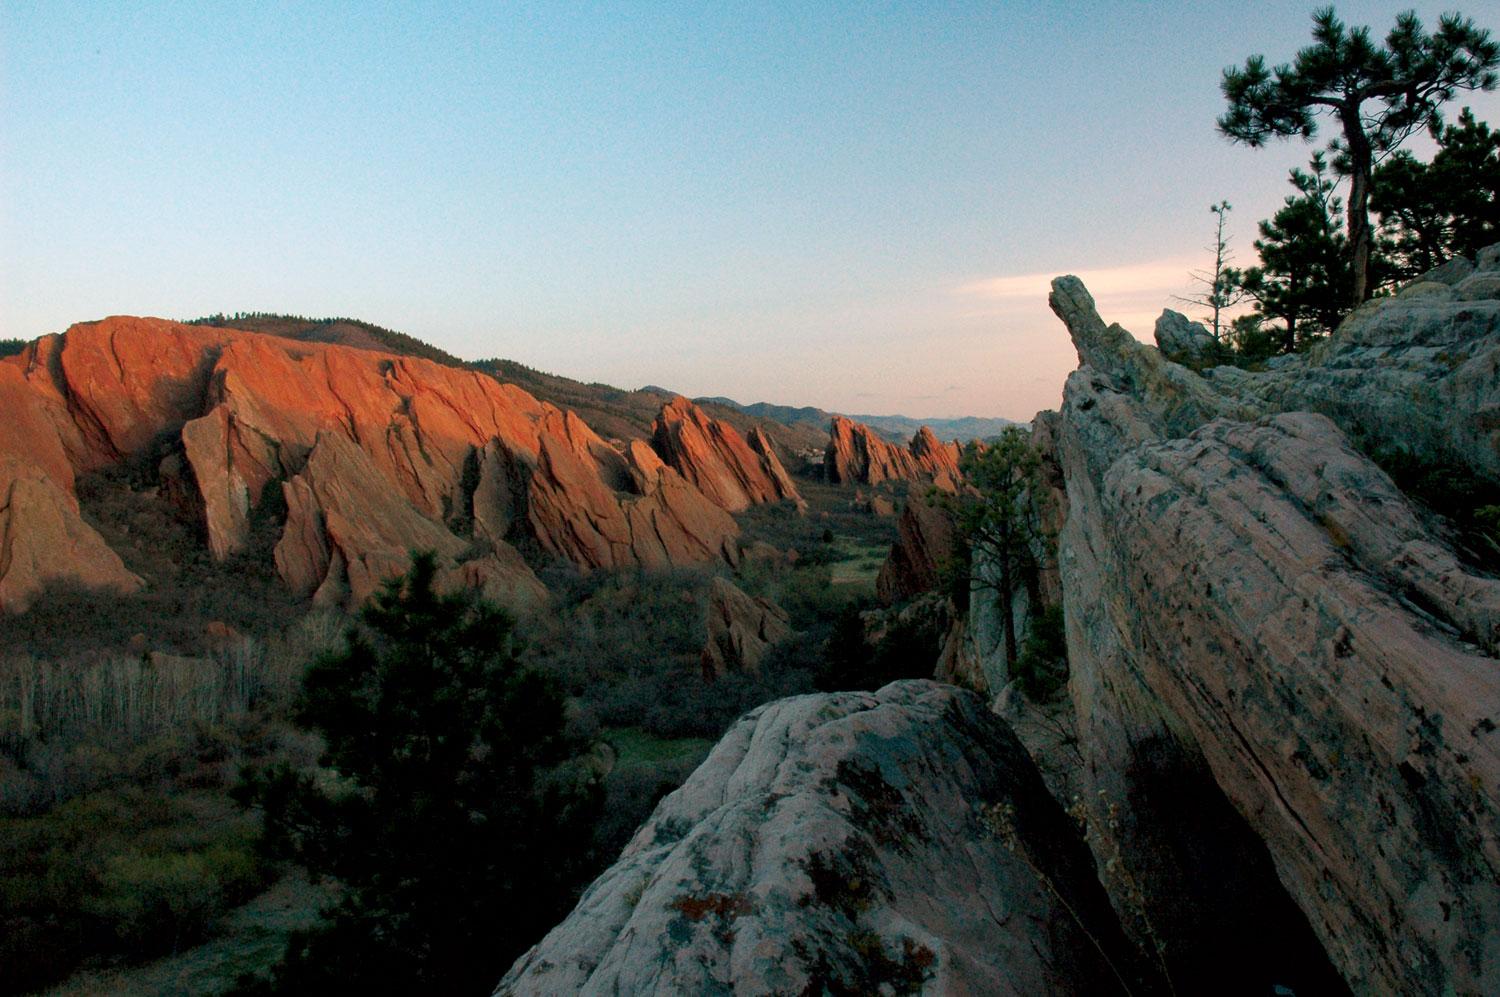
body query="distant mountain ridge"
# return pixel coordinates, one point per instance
(896, 428)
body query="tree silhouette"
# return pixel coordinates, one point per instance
(996, 517)
(1379, 95)
(1432, 212)
(1303, 277)
(451, 813)
(1220, 290)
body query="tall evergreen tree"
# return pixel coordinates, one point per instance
(454, 818)
(1379, 96)
(996, 517)
(1432, 212)
(1304, 274)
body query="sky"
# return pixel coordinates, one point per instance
(855, 206)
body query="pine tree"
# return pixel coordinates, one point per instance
(453, 814)
(1304, 274)
(1432, 212)
(997, 520)
(1379, 96)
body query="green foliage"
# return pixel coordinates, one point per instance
(10, 347)
(456, 815)
(907, 649)
(128, 872)
(1251, 342)
(1377, 94)
(997, 519)
(69, 728)
(1432, 212)
(1041, 669)
(1303, 280)
(646, 768)
(340, 329)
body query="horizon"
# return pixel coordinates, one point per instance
(849, 210)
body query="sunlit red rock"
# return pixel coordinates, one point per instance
(856, 454)
(741, 629)
(712, 454)
(925, 550)
(432, 449)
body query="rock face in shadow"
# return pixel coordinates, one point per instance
(718, 461)
(856, 454)
(44, 540)
(897, 841)
(925, 548)
(1183, 340)
(346, 532)
(1253, 608)
(741, 629)
(438, 453)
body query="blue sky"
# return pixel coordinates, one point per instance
(853, 206)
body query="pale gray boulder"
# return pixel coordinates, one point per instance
(890, 842)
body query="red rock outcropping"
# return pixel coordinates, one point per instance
(714, 456)
(925, 547)
(374, 454)
(856, 454)
(741, 629)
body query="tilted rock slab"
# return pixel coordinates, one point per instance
(712, 454)
(44, 540)
(835, 843)
(926, 542)
(346, 531)
(1251, 600)
(741, 629)
(247, 411)
(856, 454)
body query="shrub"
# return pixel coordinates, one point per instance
(1041, 669)
(119, 873)
(453, 808)
(908, 649)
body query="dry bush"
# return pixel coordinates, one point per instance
(68, 728)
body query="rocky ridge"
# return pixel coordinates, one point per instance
(856, 454)
(1250, 597)
(1280, 733)
(710, 453)
(371, 454)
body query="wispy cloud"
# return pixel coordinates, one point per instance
(1168, 275)
(1132, 294)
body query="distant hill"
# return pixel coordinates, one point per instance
(963, 429)
(896, 428)
(339, 331)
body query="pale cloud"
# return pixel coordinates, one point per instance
(1132, 294)
(1166, 276)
